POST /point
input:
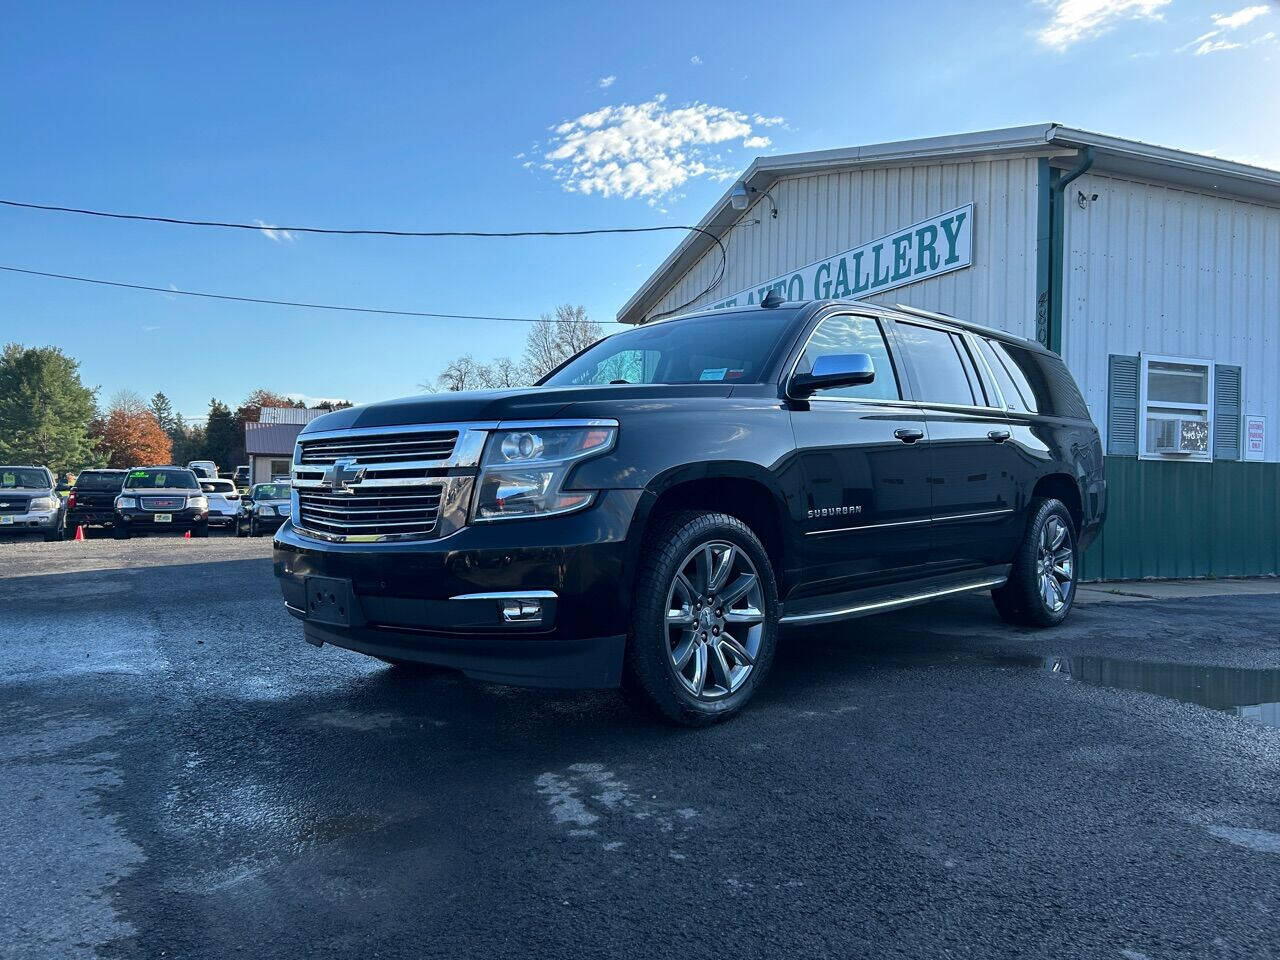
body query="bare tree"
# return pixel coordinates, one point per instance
(462, 373)
(127, 401)
(504, 373)
(554, 339)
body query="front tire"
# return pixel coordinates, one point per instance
(1042, 582)
(705, 619)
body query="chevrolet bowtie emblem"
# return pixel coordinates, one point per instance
(342, 474)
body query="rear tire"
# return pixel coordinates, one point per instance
(705, 619)
(1042, 582)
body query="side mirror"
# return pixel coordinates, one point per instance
(833, 370)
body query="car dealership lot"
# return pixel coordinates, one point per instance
(183, 775)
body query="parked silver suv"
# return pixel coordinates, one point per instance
(29, 502)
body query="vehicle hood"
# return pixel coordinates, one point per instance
(527, 403)
(161, 492)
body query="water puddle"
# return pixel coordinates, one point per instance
(1253, 695)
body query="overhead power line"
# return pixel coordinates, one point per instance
(337, 231)
(275, 303)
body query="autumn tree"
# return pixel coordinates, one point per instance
(132, 438)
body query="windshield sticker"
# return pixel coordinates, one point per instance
(714, 373)
(138, 473)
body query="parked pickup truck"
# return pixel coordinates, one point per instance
(663, 503)
(92, 501)
(29, 502)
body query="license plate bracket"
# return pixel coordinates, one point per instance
(331, 600)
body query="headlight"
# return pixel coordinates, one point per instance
(523, 471)
(126, 503)
(42, 503)
(263, 510)
(198, 503)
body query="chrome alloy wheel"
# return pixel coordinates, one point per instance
(1055, 565)
(715, 620)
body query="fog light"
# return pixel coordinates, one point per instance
(521, 611)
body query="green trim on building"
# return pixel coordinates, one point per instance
(1059, 180)
(1044, 248)
(1169, 519)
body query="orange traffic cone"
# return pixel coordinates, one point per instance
(79, 531)
(187, 535)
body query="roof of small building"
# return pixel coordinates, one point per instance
(271, 439)
(1062, 145)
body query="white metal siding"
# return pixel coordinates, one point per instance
(825, 214)
(1153, 269)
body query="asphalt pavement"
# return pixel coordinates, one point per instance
(182, 776)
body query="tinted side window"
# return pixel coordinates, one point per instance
(943, 366)
(1017, 392)
(845, 335)
(1046, 385)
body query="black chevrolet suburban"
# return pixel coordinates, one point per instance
(657, 508)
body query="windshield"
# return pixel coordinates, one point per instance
(726, 347)
(217, 486)
(270, 491)
(90, 480)
(12, 478)
(174, 479)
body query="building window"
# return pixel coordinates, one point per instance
(1175, 409)
(280, 468)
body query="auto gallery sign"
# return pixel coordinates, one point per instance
(926, 249)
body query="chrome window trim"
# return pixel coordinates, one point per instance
(980, 357)
(868, 314)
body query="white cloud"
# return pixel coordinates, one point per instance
(646, 149)
(1215, 42)
(696, 60)
(1233, 21)
(1215, 46)
(274, 233)
(1076, 20)
(606, 82)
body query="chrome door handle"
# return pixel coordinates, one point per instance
(999, 436)
(908, 434)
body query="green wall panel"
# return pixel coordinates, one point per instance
(1168, 519)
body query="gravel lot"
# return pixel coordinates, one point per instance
(183, 776)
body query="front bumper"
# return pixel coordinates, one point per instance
(143, 521)
(413, 600)
(35, 521)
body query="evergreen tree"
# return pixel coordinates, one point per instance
(221, 440)
(162, 410)
(44, 410)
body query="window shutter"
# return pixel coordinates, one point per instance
(1122, 406)
(1226, 412)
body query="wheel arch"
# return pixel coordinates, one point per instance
(1062, 486)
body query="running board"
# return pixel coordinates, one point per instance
(891, 603)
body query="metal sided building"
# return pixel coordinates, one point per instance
(1154, 272)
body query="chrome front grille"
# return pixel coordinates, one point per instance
(163, 503)
(380, 448)
(372, 511)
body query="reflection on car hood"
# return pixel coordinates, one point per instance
(526, 403)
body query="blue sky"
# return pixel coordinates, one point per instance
(504, 116)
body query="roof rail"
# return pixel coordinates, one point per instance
(936, 315)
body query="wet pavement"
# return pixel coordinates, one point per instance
(182, 776)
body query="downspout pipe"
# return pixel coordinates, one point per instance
(1058, 223)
